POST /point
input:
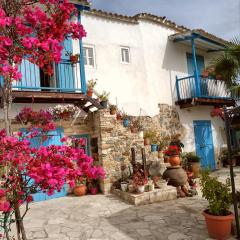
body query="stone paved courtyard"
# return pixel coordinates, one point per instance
(108, 218)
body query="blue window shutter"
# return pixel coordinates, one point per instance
(1, 81)
(65, 70)
(30, 75)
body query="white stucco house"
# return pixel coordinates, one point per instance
(146, 60)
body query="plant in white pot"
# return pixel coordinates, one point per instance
(218, 216)
(139, 181)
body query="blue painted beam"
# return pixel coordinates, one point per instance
(196, 75)
(82, 66)
(185, 38)
(177, 88)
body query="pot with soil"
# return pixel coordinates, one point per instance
(193, 162)
(218, 217)
(80, 190)
(174, 160)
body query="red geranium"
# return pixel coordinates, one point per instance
(172, 150)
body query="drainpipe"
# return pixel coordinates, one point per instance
(196, 73)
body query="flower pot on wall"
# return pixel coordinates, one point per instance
(141, 189)
(80, 190)
(126, 122)
(174, 160)
(154, 147)
(219, 227)
(147, 141)
(104, 104)
(124, 186)
(140, 134)
(113, 111)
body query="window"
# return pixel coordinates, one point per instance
(89, 56)
(125, 54)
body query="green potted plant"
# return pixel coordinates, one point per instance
(104, 99)
(217, 215)
(154, 141)
(113, 109)
(148, 135)
(162, 142)
(90, 86)
(193, 162)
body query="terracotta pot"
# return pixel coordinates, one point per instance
(112, 111)
(219, 227)
(94, 190)
(89, 92)
(147, 141)
(174, 160)
(74, 59)
(195, 168)
(80, 190)
(119, 117)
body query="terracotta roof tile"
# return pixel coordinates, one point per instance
(157, 19)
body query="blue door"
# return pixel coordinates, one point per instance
(204, 143)
(65, 70)
(200, 66)
(54, 138)
(30, 76)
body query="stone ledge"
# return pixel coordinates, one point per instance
(158, 195)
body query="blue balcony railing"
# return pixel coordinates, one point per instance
(188, 87)
(66, 78)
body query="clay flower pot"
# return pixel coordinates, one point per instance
(195, 168)
(89, 92)
(174, 160)
(80, 190)
(147, 141)
(113, 111)
(219, 227)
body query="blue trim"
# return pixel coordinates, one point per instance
(177, 88)
(82, 7)
(196, 74)
(82, 66)
(48, 88)
(87, 136)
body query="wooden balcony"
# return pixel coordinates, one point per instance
(207, 91)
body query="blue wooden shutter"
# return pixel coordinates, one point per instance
(30, 76)
(65, 70)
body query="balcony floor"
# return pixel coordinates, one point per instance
(191, 102)
(79, 99)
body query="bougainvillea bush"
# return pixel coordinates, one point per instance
(27, 170)
(32, 29)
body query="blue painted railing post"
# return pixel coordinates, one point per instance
(177, 88)
(196, 74)
(82, 67)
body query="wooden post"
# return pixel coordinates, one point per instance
(144, 163)
(133, 162)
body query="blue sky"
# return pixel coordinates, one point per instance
(220, 17)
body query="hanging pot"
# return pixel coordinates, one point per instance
(104, 104)
(80, 190)
(147, 141)
(219, 227)
(154, 147)
(125, 122)
(74, 59)
(174, 160)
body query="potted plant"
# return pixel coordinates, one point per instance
(90, 86)
(93, 186)
(126, 120)
(80, 188)
(217, 215)
(104, 99)
(119, 115)
(193, 162)
(173, 153)
(139, 181)
(74, 58)
(162, 142)
(148, 135)
(113, 109)
(154, 146)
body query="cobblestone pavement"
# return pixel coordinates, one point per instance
(108, 218)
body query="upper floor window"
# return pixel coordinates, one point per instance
(125, 54)
(89, 57)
